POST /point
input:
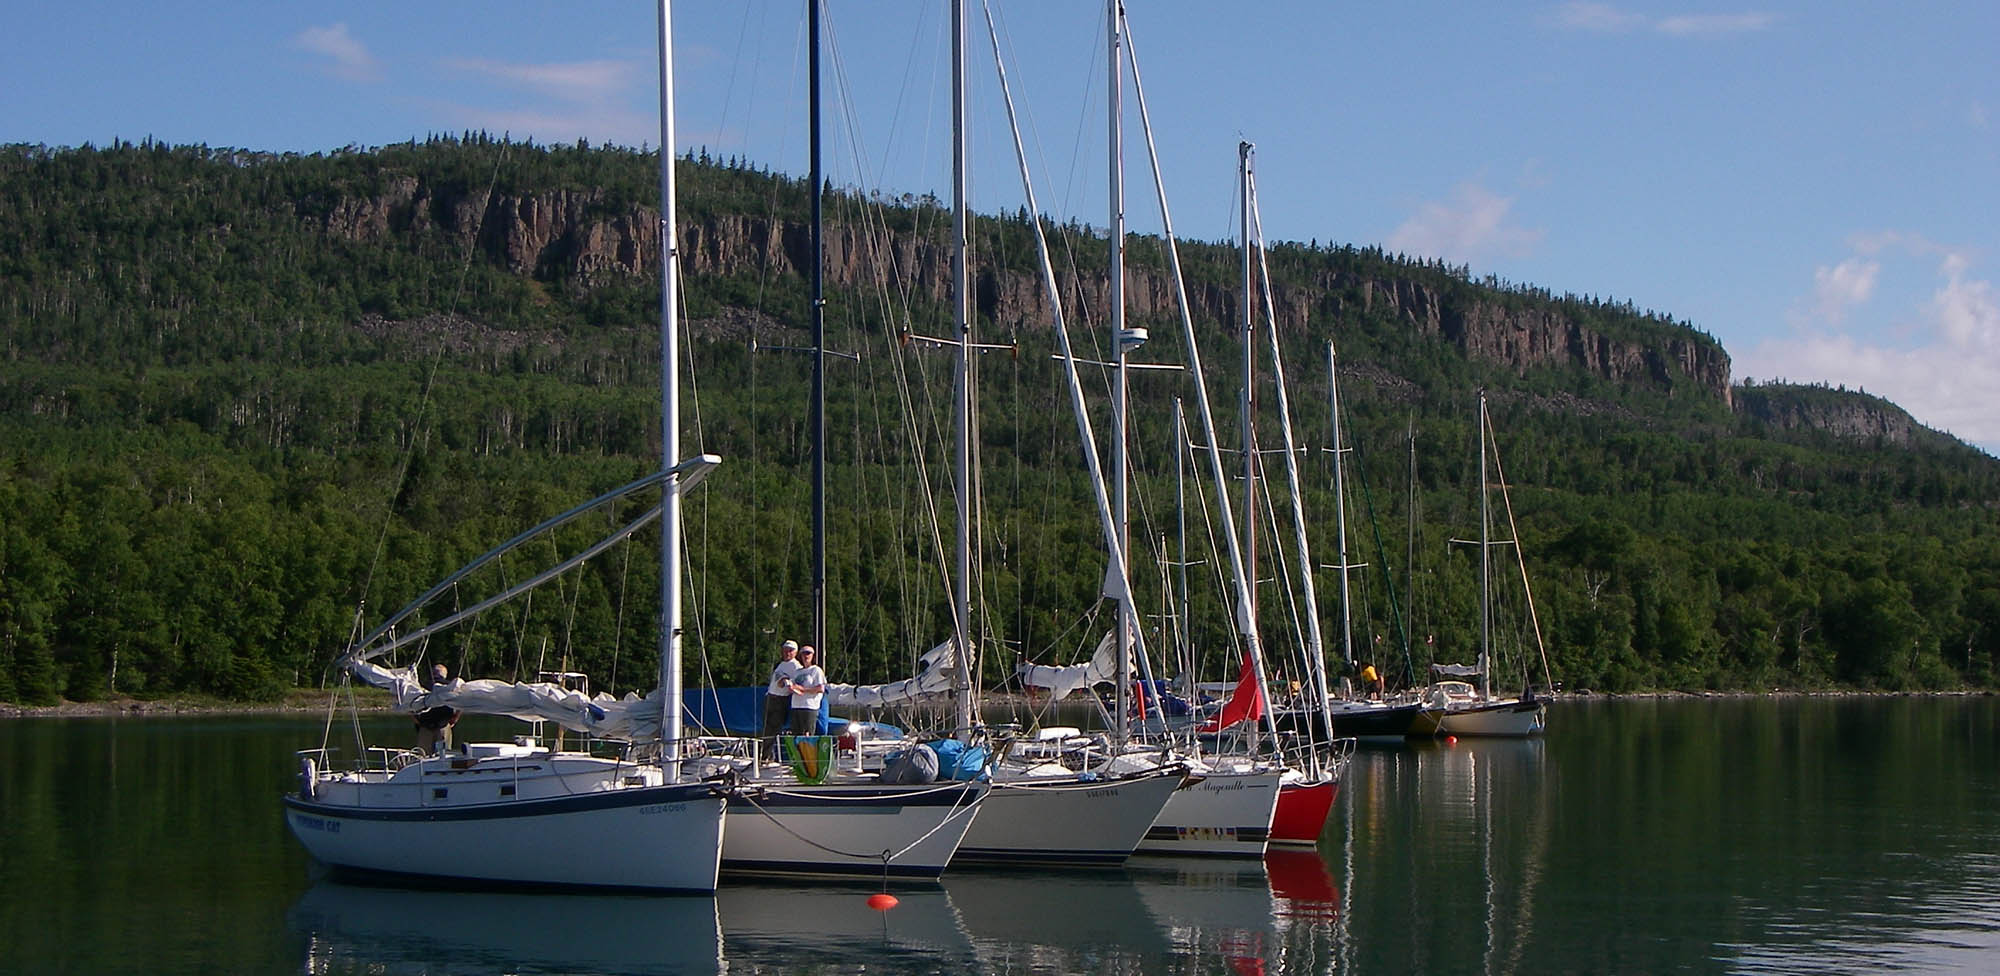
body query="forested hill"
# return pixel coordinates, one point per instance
(245, 393)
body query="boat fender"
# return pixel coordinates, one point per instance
(308, 778)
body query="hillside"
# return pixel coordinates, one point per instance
(244, 393)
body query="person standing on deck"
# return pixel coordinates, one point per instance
(808, 687)
(778, 695)
(434, 724)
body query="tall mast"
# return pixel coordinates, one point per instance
(962, 377)
(818, 419)
(1485, 567)
(1123, 343)
(1340, 507)
(1249, 397)
(670, 439)
(1246, 620)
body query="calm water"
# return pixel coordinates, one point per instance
(1731, 836)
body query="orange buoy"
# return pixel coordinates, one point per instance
(882, 902)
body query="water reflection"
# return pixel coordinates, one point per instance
(1272, 917)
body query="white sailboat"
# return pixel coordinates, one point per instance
(522, 812)
(852, 823)
(1043, 812)
(1469, 710)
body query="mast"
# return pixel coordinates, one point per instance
(1340, 506)
(1249, 591)
(1181, 449)
(1123, 343)
(818, 418)
(1485, 563)
(1315, 643)
(1248, 402)
(1246, 620)
(670, 439)
(962, 381)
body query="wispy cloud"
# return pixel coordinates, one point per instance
(347, 57)
(603, 125)
(557, 102)
(1849, 283)
(578, 81)
(1604, 18)
(1475, 223)
(1937, 357)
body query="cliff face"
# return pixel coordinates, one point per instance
(573, 236)
(1843, 414)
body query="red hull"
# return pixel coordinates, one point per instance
(1302, 811)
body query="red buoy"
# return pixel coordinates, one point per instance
(1451, 740)
(882, 902)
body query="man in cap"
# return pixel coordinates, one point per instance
(778, 694)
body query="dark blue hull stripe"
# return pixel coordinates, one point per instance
(510, 809)
(814, 869)
(861, 799)
(445, 882)
(1002, 855)
(1247, 835)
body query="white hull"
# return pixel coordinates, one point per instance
(1065, 821)
(1510, 717)
(843, 829)
(659, 838)
(1226, 814)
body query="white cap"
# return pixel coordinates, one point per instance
(790, 645)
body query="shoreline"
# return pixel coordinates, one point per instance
(305, 701)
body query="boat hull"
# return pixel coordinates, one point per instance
(1066, 821)
(653, 838)
(1222, 815)
(843, 830)
(1370, 720)
(1513, 718)
(1301, 812)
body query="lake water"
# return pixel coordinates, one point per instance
(1833, 835)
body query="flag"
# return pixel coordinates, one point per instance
(1246, 702)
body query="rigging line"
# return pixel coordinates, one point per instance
(1382, 556)
(1514, 533)
(424, 397)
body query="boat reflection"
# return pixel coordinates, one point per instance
(393, 931)
(1270, 916)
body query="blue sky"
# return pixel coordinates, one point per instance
(1815, 184)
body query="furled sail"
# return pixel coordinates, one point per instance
(932, 682)
(1061, 682)
(630, 718)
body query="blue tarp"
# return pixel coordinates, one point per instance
(732, 711)
(958, 761)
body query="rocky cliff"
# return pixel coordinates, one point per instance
(1848, 415)
(574, 237)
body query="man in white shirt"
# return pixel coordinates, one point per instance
(778, 694)
(808, 687)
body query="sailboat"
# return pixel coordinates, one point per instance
(851, 823)
(1469, 710)
(1360, 716)
(1045, 812)
(522, 812)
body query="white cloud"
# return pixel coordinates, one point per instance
(579, 81)
(1689, 25)
(350, 58)
(1604, 18)
(1597, 17)
(1849, 283)
(1474, 224)
(1946, 373)
(600, 125)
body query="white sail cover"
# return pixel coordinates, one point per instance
(631, 718)
(935, 669)
(1061, 682)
